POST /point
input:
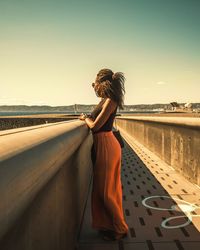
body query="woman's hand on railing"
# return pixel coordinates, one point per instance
(82, 117)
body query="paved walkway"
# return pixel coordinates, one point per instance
(162, 209)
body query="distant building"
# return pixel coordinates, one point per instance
(175, 105)
(188, 105)
(181, 107)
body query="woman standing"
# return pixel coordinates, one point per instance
(107, 211)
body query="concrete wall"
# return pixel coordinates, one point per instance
(174, 140)
(44, 180)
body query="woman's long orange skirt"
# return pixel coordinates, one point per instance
(106, 199)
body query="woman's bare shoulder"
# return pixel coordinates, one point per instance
(110, 102)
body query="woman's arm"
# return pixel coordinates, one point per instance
(108, 107)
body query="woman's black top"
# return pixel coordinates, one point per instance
(107, 126)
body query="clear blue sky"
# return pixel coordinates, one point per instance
(51, 51)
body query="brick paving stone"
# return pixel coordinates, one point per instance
(152, 193)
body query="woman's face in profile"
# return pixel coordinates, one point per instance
(95, 85)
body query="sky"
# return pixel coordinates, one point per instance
(51, 51)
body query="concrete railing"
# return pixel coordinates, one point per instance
(45, 173)
(174, 140)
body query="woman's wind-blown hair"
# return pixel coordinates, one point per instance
(111, 85)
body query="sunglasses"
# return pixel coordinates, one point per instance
(95, 83)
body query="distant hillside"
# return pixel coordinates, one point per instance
(82, 107)
(44, 108)
(156, 106)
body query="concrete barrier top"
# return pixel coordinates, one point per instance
(181, 121)
(29, 157)
(14, 141)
